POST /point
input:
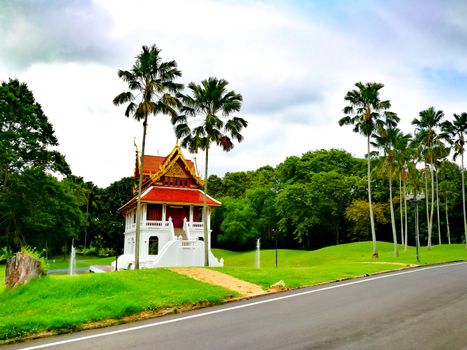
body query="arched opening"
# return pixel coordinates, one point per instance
(153, 248)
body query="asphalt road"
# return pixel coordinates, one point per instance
(423, 308)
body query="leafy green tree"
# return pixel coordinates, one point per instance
(363, 112)
(215, 185)
(262, 201)
(27, 142)
(42, 212)
(211, 105)
(455, 132)
(107, 225)
(358, 213)
(314, 210)
(287, 170)
(151, 84)
(27, 138)
(238, 229)
(427, 134)
(236, 183)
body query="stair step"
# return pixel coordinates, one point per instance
(180, 232)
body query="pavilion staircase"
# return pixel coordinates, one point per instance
(179, 232)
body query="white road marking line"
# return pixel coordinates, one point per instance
(208, 313)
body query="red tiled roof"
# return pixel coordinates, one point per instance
(177, 195)
(152, 164)
(174, 195)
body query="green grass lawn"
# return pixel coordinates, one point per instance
(302, 268)
(2, 277)
(64, 302)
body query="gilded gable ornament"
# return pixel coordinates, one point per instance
(177, 171)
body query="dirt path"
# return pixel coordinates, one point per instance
(246, 289)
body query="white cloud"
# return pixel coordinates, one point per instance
(292, 62)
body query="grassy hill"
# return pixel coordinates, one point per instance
(301, 268)
(66, 303)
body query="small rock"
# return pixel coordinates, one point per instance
(279, 285)
(21, 268)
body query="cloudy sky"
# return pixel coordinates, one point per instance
(293, 62)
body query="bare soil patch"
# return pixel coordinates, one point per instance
(246, 289)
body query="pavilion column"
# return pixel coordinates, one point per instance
(208, 220)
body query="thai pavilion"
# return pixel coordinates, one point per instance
(172, 207)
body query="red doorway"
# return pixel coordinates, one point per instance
(178, 213)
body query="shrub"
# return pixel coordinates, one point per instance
(36, 255)
(5, 254)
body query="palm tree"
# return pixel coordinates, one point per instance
(440, 152)
(211, 105)
(456, 130)
(402, 154)
(385, 138)
(427, 135)
(151, 91)
(363, 112)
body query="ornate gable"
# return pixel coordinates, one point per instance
(175, 166)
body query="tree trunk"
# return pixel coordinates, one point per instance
(372, 220)
(87, 221)
(401, 209)
(447, 221)
(138, 201)
(20, 269)
(406, 221)
(463, 199)
(438, 221)
(427, 210)
(417, 226)
(393, 219)
(432, 204)
(205, 209)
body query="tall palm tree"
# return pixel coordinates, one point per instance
(363, 112)
(151, 91)
(402, 154)
(211, 106)
(385, 138)
(440, 152)
(428, 136)
(455, 131)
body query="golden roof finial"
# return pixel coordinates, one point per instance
(136, 146)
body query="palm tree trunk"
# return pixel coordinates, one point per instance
(138, 201)
(447, 221)
(401, 209)
(427, 210)
(432, 204)
(438, 221)
(417, 225)
(87, 221)
(205, 209)
(393, 219)
(405, 221)
(463, 198)
(372, 220)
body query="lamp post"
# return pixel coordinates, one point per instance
(414, 199)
